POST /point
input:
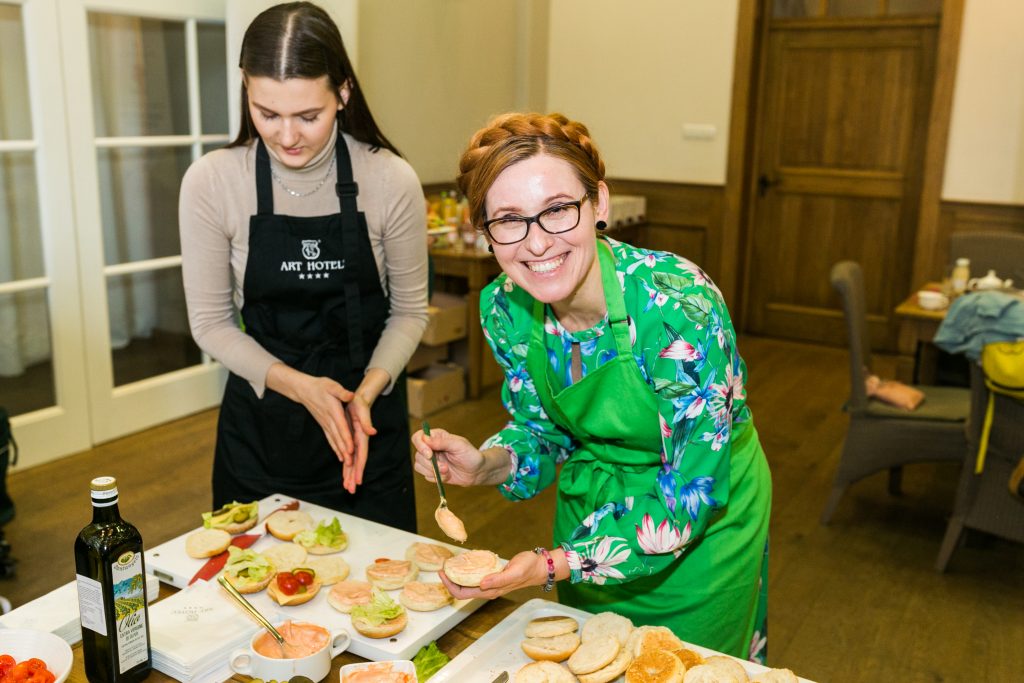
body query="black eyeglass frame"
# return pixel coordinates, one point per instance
(529, 220)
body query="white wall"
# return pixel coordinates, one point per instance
(985, 157)
(636, 72)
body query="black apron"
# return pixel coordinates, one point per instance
(313, 298)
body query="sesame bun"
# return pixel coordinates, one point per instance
(207, 543)
(646, 638)
(391, 574)
(607, 623)
(285, 556)
(329, 570)
(610, 672)
(284, 524)
(429, 557)
(424, 597)
(775, 676)
(385, 630)
(274, 591)
(655, 666)
(548, 627)
(593, 654)
(470, 567)
(249, 587)
(544, 672)
(345, 595)
(554, 649)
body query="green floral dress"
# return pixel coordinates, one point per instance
(682, 539)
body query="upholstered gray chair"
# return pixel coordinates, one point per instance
(1002, 252)
(881, 437)
(984, 501)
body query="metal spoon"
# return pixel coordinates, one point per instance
(451, 525)
(437, 472)
(233, 592)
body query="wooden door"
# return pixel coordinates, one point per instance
(838, 165)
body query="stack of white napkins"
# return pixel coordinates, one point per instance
(57, 611)
(193, 632)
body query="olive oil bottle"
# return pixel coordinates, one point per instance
(112, 592)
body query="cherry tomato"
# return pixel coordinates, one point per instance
(303, 577)
(287, 583)
(6, 664)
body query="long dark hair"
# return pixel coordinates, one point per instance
(300, 40)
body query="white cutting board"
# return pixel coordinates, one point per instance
(498, 650)
(367, 541)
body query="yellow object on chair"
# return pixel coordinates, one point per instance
(1003, 366)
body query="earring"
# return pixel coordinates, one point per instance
(490, 248)
(601, 225)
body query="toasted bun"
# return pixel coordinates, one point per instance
(391, 574)
(727, 667)
(345, 595)
(424, 597)
(554, 649)
(429, 557)
(548, 627)
(689, 658)
(285, 556)
(544, 672)
(385, 630)
(593, 654)
(274, 591)
(284, 524)
(207, 543)
(327, 549)
(655, 666)
(249, 587)
(607, 623)
(610, 672)
(775, 676)
(329, 570)
(470, 567)
(646, 638)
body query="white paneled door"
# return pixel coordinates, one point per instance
(124, 95)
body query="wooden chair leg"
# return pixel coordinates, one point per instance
(953, 532)
(895, 480)
(831, 503)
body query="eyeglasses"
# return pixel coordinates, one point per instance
(552, 220)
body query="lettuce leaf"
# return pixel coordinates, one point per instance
(325, 534)
(247, 565)
(381, 608)
(428, 661)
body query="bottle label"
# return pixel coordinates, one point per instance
(90, 604)
(130, 610)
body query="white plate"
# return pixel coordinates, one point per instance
(367, 541)
(498, 650)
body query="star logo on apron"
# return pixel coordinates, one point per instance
(311, 249)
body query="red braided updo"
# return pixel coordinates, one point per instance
(513, 137)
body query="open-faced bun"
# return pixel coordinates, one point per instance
(207, 543)
(329, 570)
(646, 638)
(284, 524)
(429, 557)
(612, 671)
(553, 649)
(249, 587)
(274, 591)
(655, 666)
(689, 658)
(391, 574)
(345, 595)
(593, 654)
(726, 667)
(239, 527)
(424, 597)
(607, 623)
(385, 630)
(548, 627)
(285, 556)
(775, 676)
(544, 672)
(470, 567)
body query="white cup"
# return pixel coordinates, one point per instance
(315, 666)
(931, 300)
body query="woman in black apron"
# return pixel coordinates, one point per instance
(312, 296)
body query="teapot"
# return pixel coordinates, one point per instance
(990, 281)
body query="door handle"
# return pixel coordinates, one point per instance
(764, 183)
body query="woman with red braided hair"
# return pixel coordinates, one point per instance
(621, 366)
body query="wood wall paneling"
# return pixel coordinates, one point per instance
(969, 217)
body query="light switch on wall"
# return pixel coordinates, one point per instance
(699, 131)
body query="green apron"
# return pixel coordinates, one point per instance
(715, 593)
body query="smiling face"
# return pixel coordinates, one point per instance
(295, 117)
(561, 270)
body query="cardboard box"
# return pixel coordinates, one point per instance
(447, 319)
(436, 387)
(426, 355)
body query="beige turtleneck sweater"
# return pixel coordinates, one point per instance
(218, 195)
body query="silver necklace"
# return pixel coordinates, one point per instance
(309, 192)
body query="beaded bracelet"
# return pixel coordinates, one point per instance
(550, 583)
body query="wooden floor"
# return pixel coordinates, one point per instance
(855, 601)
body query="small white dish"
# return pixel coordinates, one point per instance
(931, 300)
(392, 666)
(24, 643)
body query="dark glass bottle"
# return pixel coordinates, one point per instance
(112, 592)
